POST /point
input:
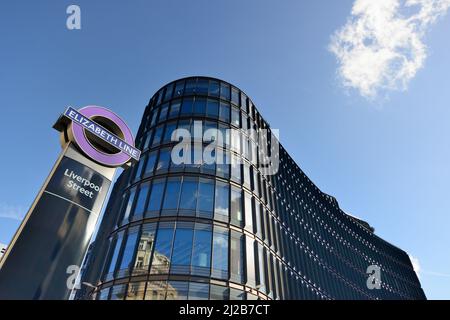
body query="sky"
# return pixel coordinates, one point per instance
(358, 88)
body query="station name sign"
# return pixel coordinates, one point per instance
(102, 133)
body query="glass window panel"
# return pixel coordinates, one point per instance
(212, 108)
(205, 198)
(163, 161)
(163, 112)
(201, 252)
(104, 294)
(235, 117)
(163, 250)
(147, 140)
(118, 292)
(222, 166)
(144, 249)
(236, 294)
(158, 135)
(198, 291)
(177, 290)
(151, 160)
(116, 244)
(218, 292)
(175, 109)
(129, 206)
(224, 91)
(169, 130)
(250, 265)
(247, 174)
(168, 93)
(190, 86)
(236, 169)
(202, 86)
(181, 256)
(235, 96)
(220, 253)
(200, 106)
(236, 207)
(224, 112)
(154, 203)
(171, 194)
(156, 290)
(128, 252)
(188, 199)
(261, 275)
(237, 257)
(221, 201)
(140, 165)
(186, 106)
(135, 291)
(139, 208)
(248, 212)
(214, 88)
(179, 88)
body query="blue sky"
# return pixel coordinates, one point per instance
(384, 156)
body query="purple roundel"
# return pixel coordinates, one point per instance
(111, 160)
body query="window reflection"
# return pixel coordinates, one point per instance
(220, 253)
(144, 250)
(163, 249)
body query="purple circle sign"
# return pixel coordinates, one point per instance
(108, 159)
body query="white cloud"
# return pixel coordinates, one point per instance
(381, 46)
(416, 265)
(12, 211)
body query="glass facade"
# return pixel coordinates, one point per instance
(228, 230)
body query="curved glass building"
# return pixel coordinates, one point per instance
(199, 230)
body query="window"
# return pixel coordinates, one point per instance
(218, 292)
(201, 251)
(214, 88)
(247, 175)
(135, 291)
(163, 249)
(157, 136)
(260, 275)
(236, 207)
(129, 206)
(118, 292)
(156, 290)
(168, 93)
(168, 133)
(144, 250)
(186, 106)
(235, 117)
(225, 91)
(198, 291)
(235, 96)
(248, 212)
(190, 86)
(104, 294)
(177, 290)
(250, 265)
(139, 208)
(128, 252)
(236, 169)
(237, 257)
(175, 109)
(220, 253)
(200, 106)
(163, 113)
(151, 160)
(212, 108)
(236, 294)
(205, 198)
(188, 201)
(222, 163)
(179, 88)
(116, 243)
(154, 203)
(171, 196)
(181, 256)
(138, 168)
(224, 112)
(221, 201)
(202, 86)
(163, 161)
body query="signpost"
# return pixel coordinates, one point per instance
(57, 229)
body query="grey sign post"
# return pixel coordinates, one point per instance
(58, 227)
